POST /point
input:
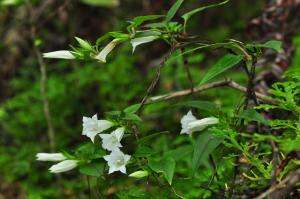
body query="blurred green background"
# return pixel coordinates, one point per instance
(77, 89)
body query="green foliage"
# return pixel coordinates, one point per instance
(225, 63)
(173, 166)
(108, 3)
(189, 14)
(166, 166)
(206, 143)
(173, 10)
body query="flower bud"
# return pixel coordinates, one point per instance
(139, 174)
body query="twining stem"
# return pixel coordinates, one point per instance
(156, 78)
(187, 69)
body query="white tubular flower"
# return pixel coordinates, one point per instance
(92, 126)
(141, 40)
(50, 157)
(199, 125)
(112, 141)
(106, 50)
(117, 161)
(63, 166)
(191, 124)
(61, 54)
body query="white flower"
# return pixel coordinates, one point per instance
(112, 141)
(106, 50)
(93, 126)
(63, 166)
(188, 118)
(199, 125)
(141, 40)
(50, 157)
(117, 161)
(61, 54)
(191, 124)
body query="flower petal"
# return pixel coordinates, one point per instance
(199, 125)
(119, 132)
(141, 40)
(63, 166)
(106, 50)
(50, 157)
(61, 54)
(186, 119)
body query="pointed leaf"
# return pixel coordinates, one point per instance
(144, 151)
(165, 166)
(104, 3)
(205, 144)
(132, 109)
(180, 152)
(253, 115)
(92, 169)
(225, 63)
(273, 44)
(171, 13)
(188, 15)
(84, 44)
(137, 21)
(147, 138)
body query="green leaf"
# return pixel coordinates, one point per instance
(253, 115)
(225, 63)
(92, 169)
(171, 13)
(188, 15)
(289, 145)
(106, 3)
(137, 21)
(89, 151)
(202, 105)
(155, 25)
(143, 152)
(205, 144)
(84, 44)
(147, 138)
(132, 117)
(132, 109)
(147, 33)
(117, 35)
(180, 152)
(165, 166)
(273, 44)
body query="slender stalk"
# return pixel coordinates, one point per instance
(43, 80)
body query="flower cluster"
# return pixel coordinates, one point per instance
(92, 127)
(116, 160)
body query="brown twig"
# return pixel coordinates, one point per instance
(288, 182)
(227, 83)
